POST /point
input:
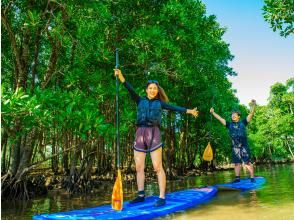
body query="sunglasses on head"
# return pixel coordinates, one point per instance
(152, 81)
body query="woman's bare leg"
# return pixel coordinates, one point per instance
(140, 166)
(156, 157)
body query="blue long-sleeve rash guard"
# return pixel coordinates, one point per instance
(149, 112)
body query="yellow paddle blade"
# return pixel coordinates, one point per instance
(117, 193)
(208, 153)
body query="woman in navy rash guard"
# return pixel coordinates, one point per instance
(148, 138)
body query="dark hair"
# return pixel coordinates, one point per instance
(161, 93)
(236, 111)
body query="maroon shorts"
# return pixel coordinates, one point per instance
(148, 139)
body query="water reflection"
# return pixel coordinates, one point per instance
(274, 201)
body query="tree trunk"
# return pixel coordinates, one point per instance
(54, 160)
(26, 152)
(289, 147)
(65, 156)
(3, 149)
(14, 156)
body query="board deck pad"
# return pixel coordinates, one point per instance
(243, 185)
(175, 201)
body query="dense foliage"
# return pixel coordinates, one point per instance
(272, 129)
(280, 15)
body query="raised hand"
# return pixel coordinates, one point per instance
(117, 73)
(252, 103)
(193, 112)
(212, 110)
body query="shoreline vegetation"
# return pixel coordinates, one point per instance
(42, 181)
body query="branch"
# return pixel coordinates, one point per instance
(8, 7)
(36, 164)
(12, 39)
(52, 64)
(38, 42)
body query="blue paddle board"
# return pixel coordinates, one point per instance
(175, 201)
(243, 185)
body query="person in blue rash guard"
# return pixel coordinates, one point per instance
(148, 138)
(240, 147)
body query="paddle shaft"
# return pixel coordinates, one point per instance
(210, 127)
(117, 112)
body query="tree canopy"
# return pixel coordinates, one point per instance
(280, 15)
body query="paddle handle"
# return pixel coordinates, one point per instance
(117, 109)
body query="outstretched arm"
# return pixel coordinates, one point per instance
(166, 106)
(223, 121)
(134, 95)
(252, 105)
